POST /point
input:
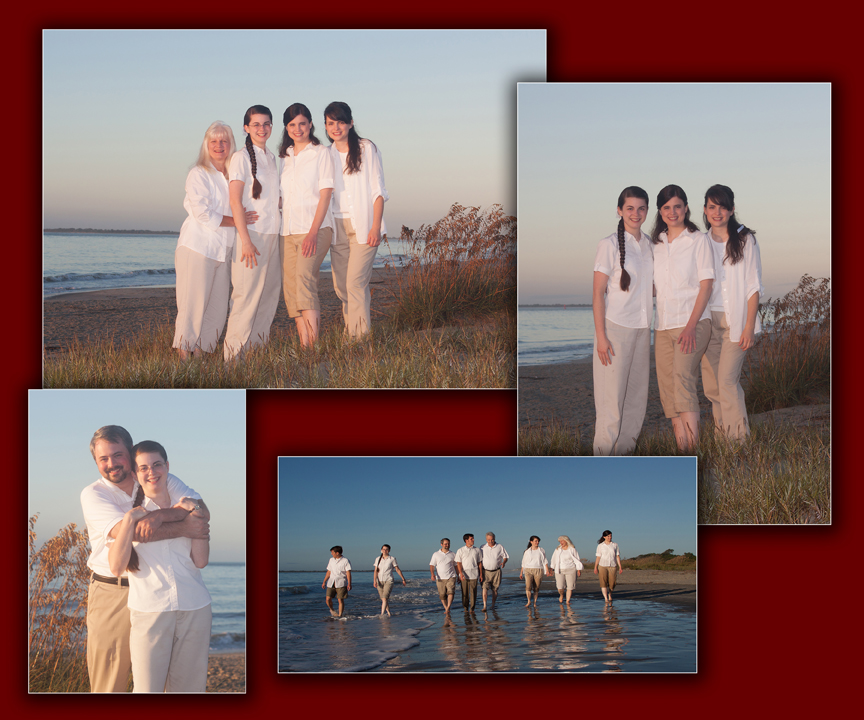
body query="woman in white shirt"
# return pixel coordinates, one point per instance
(607, 565)
(683, 276)
(567, 567)
(204, 247)
(256, 272)
(623, 305)
(382, 579)
(534, 566)
(358, 209)
(169, 605)
(734, 310)
(306, 181)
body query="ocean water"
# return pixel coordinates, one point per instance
(75, 262)
(226, 583)
(631, 636)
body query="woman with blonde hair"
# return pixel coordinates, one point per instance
(202, 257)
(567, 566)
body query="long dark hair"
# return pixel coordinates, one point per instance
(255, 110)
(629, 192)
(663, 197)
(290, 113)
(340, 112)
(530, 540)
(605, 532)
(725, 198)
(381, 557)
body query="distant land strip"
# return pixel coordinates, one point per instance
(94, 231)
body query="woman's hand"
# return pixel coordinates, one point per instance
(374, 237)
(310, 245)
(747, 339)
(135, 514)
(251, 217)
(187, 504)
(247, 254)
(578, 573)
(596, 571)
(687, 340)
(604, 350)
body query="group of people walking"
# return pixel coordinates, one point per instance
(483, 566)
(707, 287)
(261, 225)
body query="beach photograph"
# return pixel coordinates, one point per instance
(587, 564)
(420, 269)
(177, 610)
(766, 149)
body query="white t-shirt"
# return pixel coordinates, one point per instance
(534, 559)
(607, 554)
(385, 567)
(494, 556)
(338, 568)
(679, 267)
(269, 221)
(735, 284)
(565, 559)
(301, 180)
(470, 558)
(635, 307)
(444, 564)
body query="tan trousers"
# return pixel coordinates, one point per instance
(170, 650)
(607, 576)
(533, 578)
(352, 270)
(621, 389)
(721, 379)
(469, 592)
(676, 371)
(300, 274)
(108, 658)
(202, 299)
(255, 295)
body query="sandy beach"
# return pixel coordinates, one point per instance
(105, 314)
(565, 392)
(227, 673)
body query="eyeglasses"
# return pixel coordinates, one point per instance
(258, 126)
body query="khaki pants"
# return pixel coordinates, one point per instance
(533, 578)
(255, 295)
(352, 270)
(299, 273)
(202, 299)
(469, 592)
(108, 658)
(170, 650)
(446, 587)
(677, 371)
(607, 576)
(621, 390)
(721, 379)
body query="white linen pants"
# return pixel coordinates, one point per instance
(170, 650)
(202, 299)
(351, 263)
(621, 389)
(255, 295)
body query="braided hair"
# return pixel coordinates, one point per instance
(381, 557)
(725, 198)
(133, 556)
(629, 192)
(254, 110)
(664, 196)
(340, 112)
(144, 446)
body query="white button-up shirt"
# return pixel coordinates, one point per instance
(104, 505)
(167, 579)
(338, 568)
(493, 556)
(355, 194)
(607, 554)
(207, 203)
(735, 284)
(444, 564)
(269, 220)
(634, 308)
(470, 558)
(385, 568)
(679, 267)
(566, 559)
(532, 558)
(302, 179)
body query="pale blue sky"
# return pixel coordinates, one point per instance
(125, 112)
(648, 503)
(579, 145)
(203, 432)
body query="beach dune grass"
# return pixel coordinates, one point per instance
(452, 324)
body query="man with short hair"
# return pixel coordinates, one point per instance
(104, 503)
(337, 580)
(469, 563)
(494, 559)
(444, 562)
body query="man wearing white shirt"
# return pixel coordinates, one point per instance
(494, 559)
(444, 562)
(469, 562)
(104, 503)
(337, 580)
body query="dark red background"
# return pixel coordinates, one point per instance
(785, 641)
